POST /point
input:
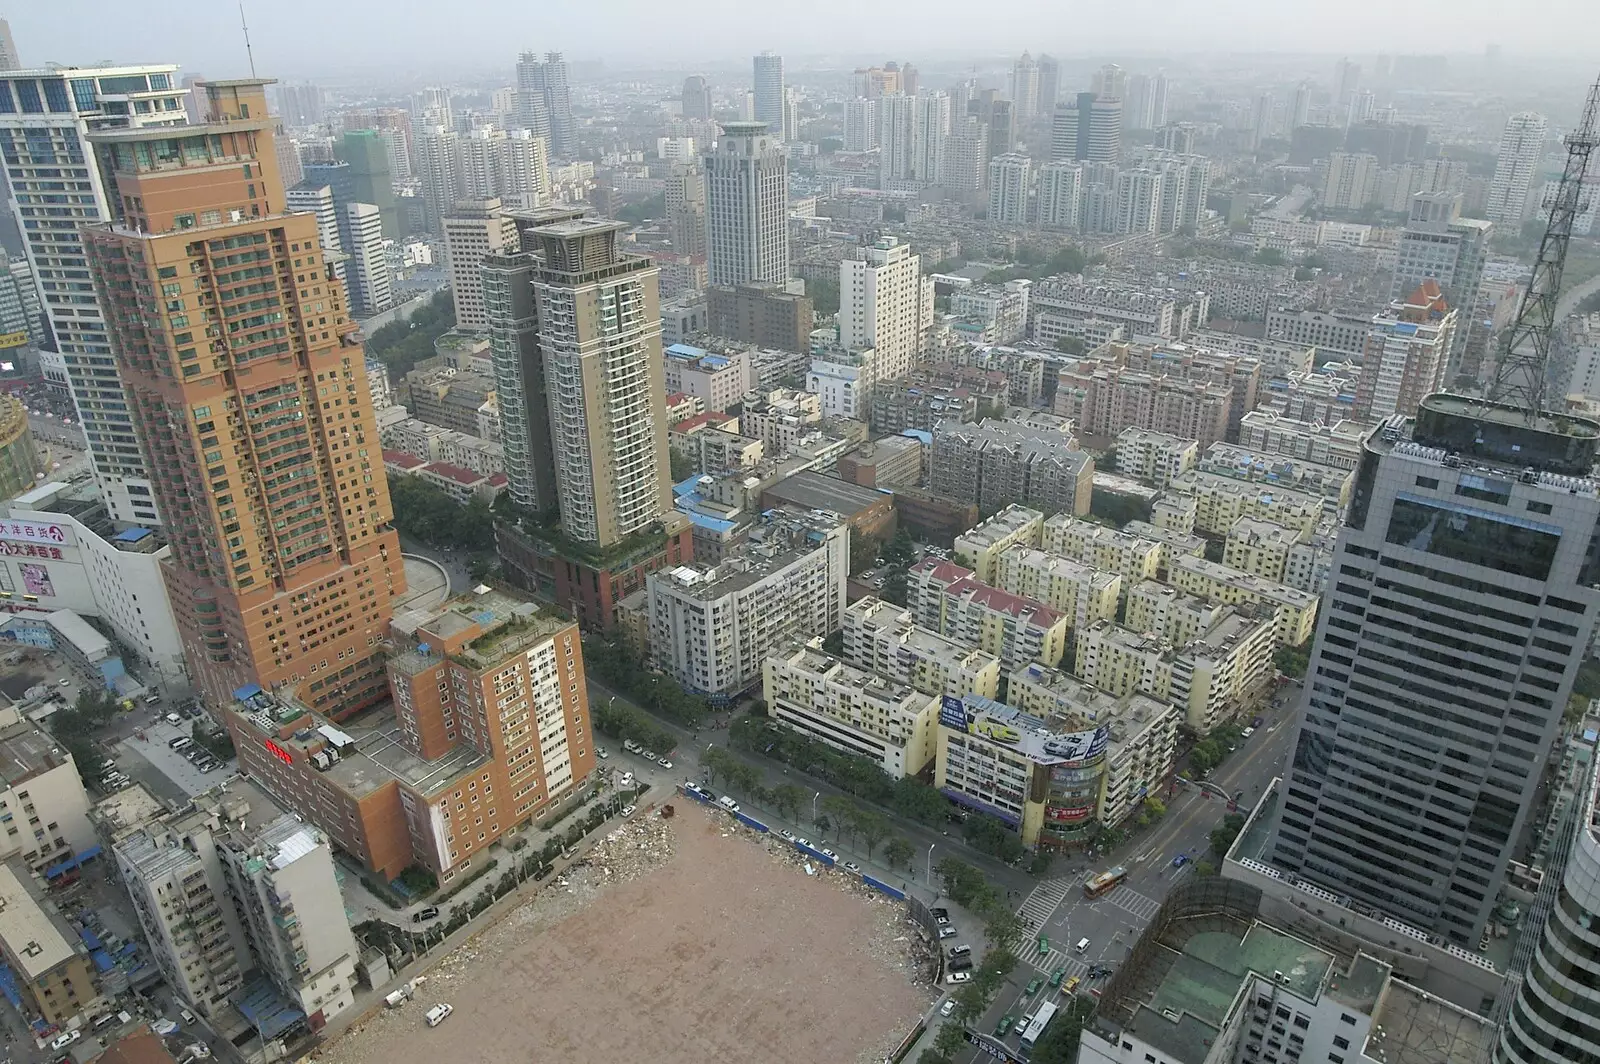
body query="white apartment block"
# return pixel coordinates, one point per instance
(474, 230)
(284, 885)
(712, 627)
(885, 304)
(1133, 557)
(1337, 446)
(367, 268)
(979, 548)
(1296, 610)
(1155, 456)
(1081, 592)
(851, 709)
(439, 444)
(43, 806)
(885, 639)
(747, 205)
(119, 580)
(1144, 732)
(1010, 177)
(47, 122)
(842, 380)
(1522, 146)
(232, 885)
(1221, 501)
(719, 380)
(1352, 179)
(1209, 678)
(1139, 200)
(1060, 193)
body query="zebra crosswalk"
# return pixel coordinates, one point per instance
(1058, 957)
(1126, 897)
(1043, 900)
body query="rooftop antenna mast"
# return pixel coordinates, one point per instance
(246, 27)
(1520, 375)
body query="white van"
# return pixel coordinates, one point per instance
(438, 1014)
(1083, 945)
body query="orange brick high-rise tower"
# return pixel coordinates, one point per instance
(249, 394)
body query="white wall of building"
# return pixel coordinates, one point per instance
(66, 566)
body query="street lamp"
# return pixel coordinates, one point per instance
(814, 798)
(931, 845)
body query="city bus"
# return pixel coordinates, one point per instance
(1034, 1029)
(1098, 885)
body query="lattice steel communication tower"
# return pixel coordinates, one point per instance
(1519, 377)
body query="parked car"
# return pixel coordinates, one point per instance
(438, 1014)
(958, 977)
(1247, 733)
(787, 836)
(666, 764)
(64, 1039)
(600, 752)
(948, 932)
(948, 1007)
(188, 1017)
(829, 854)
(627, 810)
(852, 867)
(430, 912)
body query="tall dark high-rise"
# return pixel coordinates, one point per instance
(696, 97)
(1466, 584)
(367, 152)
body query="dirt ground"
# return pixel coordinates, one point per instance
(684, 941)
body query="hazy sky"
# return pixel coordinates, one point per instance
(296, 38)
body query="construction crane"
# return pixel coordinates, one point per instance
(1520, 376)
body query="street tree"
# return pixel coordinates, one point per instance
(873, 828)
(898, 852)
(787, 799)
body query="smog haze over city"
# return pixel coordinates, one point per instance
(305, 38)
(850, 531)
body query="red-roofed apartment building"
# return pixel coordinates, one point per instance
(948, 599)
(461, 483)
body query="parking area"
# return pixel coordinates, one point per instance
(152, 746)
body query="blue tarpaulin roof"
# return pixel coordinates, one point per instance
(102, 960)
(71, 862)
(266, 1009)
(8, 987)
(90, 939)
(130, 535)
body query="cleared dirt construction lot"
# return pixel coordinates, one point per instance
(718, 947)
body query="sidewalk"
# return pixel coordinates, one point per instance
(692, 747)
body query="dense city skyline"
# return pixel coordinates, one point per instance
(354, 37)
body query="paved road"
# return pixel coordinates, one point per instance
(1569, 299)
(1058, 910)
(945, 843)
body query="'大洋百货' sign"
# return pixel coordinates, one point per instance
(36, 532)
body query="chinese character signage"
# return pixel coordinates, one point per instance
(35, 532)
(952, 713)
(29, 550)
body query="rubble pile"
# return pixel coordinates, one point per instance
(634, 849)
